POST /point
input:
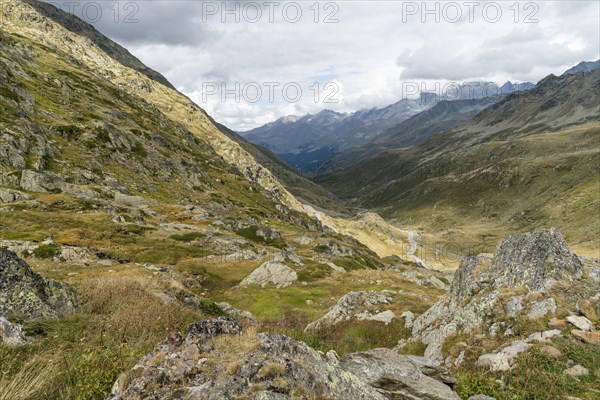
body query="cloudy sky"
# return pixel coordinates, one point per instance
(248, 63)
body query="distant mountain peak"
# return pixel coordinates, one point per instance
(584, 66)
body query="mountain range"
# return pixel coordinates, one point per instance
(307, 143)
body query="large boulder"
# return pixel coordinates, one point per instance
(271, 273)
(396, 376)
(25, 293)
(531, 262)
(215, 360)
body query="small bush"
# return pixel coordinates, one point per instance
(138, 149)
(46, 251)
(70, 131)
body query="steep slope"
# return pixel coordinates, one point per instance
(527, 161)
(84, 29)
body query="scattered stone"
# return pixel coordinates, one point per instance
(386, 316)
(539, 309)
(131, 201)
(10, 333)
(408, 319)
(581, 323)
(236, 313)
(481, 397)
(588, 337)
(304, 240)
(586, 308)
(555, 323)
(310, 302)
(25, 293)
(551, 351)
(269, 273)
(542, 336)
(577, 370)
(335, 267)
(502, 361)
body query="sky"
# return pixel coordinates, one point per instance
(248, 63)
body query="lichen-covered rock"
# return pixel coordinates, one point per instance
(354, 305)
(395, 376)
(26, 293)
(271, 273)
(195, 365)
(534, 261)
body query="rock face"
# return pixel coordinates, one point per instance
(266, 367)
(533, 261)
(26, 293)
(271, 273)
(395, 376)
(356, 305)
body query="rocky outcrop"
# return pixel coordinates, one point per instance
(216, 360)
(396, 376)
(531, 262)
(196, 365)
(271, 273)
(25, 293)
(356, 305)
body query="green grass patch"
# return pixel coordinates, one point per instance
(46, 251)
(187, 237)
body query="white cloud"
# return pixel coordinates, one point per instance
(374, 46)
